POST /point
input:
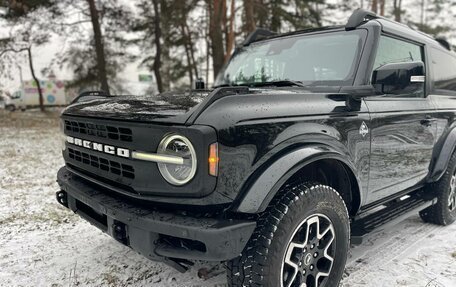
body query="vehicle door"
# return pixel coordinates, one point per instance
(402, 127)
(443, 94)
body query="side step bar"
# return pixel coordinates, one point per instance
(391, 214)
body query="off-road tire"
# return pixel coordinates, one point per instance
(260, 264)
(440, 213)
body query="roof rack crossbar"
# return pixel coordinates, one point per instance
(359, 17)
(258, 34)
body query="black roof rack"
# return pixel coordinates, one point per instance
(444, 43)
(359, 16)
(258, 34)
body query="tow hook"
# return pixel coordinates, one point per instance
(62, 198)
(119, 231)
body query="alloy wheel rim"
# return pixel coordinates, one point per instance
(452, 195)
(309, 256)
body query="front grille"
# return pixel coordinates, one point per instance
(101, 131)
(111, 166)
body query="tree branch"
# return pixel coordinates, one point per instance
(74, 23)
(12, 50)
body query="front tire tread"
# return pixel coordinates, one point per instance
(255, 253)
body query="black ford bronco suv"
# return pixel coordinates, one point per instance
(308, 141)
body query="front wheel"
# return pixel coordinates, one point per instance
(302, 239)
(444, 211)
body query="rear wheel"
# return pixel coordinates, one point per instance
(302, 239)
(444, 211)
(10, 108)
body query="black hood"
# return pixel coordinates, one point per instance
(175, 107)
(169, 107)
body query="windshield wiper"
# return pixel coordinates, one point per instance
(280, 83)
(228, 85)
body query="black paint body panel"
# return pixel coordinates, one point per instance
(254, 136)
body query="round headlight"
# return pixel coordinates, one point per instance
(176, 145)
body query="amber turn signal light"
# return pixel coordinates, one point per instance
(213, 159)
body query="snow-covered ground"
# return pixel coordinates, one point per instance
(43, 244)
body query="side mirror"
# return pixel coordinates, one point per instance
(399, 78)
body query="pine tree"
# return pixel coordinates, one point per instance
(96, 52)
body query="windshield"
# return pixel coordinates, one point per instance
(320, 59)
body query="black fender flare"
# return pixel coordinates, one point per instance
(267, 184)
(442, 154)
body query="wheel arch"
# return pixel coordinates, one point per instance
(296, 165)
(442, 154)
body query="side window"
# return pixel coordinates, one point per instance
(444, 67)
(392, 50)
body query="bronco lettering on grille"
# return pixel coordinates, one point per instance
(122, 152)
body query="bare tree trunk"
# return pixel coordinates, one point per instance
(187, 50)
(192, 50)
(224, 19)
(37, 82)
(157, 60)
(422, 13)
(375, 6)
(207, 43)
(382, 7)
(397, 10)
(230, 33)
(249, 17)
(99, 46)
(216, 35)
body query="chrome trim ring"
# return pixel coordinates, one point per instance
(192, 161)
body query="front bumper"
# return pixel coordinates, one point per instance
(158, 235)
